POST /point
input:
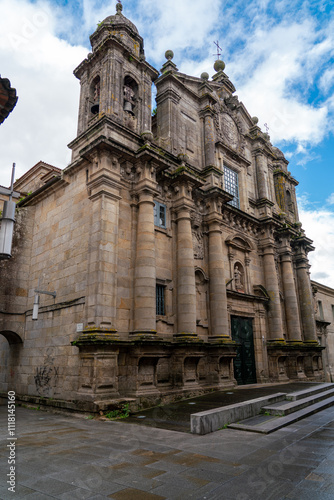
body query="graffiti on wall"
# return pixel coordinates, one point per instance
(46, 377)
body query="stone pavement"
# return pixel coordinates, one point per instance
(69, 458)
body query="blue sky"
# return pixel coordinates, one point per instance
(278, 54)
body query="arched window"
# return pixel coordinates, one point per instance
(130, 95)
(95, 96)
(289, 202)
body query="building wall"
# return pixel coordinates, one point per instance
(89, 234)
(324, 314)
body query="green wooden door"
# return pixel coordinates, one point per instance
(244, 362)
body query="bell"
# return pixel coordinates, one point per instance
(128, 107)
(95, 109)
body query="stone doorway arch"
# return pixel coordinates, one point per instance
(11, 337)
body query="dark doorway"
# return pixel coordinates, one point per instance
(244, 362)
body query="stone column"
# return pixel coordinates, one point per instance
(290, 299)
(306, 299)
(218, 299)
(261, 171)
(145, 271)
(186, 287)
(271, 281)
(209, 138)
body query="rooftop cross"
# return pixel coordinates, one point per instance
(266, 127)
(218, 49)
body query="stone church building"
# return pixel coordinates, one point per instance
(168, 258)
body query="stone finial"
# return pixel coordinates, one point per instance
(169, 54)
(219, 65)
(147, 137)
(119, 7)
(255, 120)
(205, 76)
(183, 158)
(169, 65)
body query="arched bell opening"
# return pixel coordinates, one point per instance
(130, 95)
(95, 96)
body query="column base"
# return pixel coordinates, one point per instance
(186, 337)
(220, 339)
(296, 342)
(144, 335)
(96, 335)
(276, 342)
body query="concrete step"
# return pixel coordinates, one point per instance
(287, 407)
(265, 424)
(294, 396)
(212, 420)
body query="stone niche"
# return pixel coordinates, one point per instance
(98, 374)
(291, 363)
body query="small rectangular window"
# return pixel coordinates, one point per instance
(231, 183)
(160, 300)
(159, 214)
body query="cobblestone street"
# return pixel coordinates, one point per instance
(67, 457)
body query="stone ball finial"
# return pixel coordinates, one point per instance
(119, 7)
(169, 54)
(219, 65)
(255, 120)
(205, 76)
(147, 137)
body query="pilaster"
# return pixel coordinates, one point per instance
(145, 267)
(217, 285)
(302, 246)
(290, 293)
(104, 192)
(272, 286)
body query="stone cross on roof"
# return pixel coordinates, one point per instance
(218, 49)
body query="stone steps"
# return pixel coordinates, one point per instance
(308, 392)
(265, 414)
(271, 424)
(299, 405)
(285, 408)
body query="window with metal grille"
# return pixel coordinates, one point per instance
(232, 185)
(159, 214)
(160, 300)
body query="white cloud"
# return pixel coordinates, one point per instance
(40, 67)
(319, 226)
(269, 69)
(272, 60)
(330, 199)
(177, 25)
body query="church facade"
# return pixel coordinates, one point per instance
(168, 258)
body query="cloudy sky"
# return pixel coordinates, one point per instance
(279, 54)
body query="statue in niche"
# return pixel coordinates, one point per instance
(198, 243)
(201, 300)
(315, 301)
(238, 279)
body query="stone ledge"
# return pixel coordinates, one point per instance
(212, 420)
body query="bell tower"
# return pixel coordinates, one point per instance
(116, 81)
